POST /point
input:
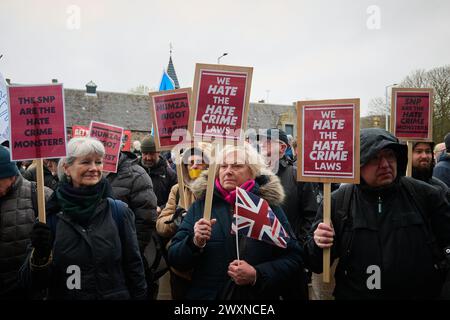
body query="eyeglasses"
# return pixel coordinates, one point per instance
(233, 167)
(387, 154)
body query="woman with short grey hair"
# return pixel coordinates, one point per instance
(80, 147)
(93, 234)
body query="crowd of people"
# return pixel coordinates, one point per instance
(112, 236)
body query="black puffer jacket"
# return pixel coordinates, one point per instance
(300, 204)
(17, 216)
(110, 264)
(384, 228)
(163, 178)
(133, 186)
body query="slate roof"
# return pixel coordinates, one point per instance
(130, 111)
(172, 74)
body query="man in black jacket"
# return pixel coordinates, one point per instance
(390, 233)
(50, 167)
(18, 211)
(300, 205)
(163, 177)
(132, 185)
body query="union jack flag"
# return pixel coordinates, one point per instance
(255, 219)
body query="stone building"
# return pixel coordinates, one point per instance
(132, 111)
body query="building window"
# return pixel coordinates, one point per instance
(289, 129)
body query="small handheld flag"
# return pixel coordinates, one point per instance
(255, 219)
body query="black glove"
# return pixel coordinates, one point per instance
(42, 241)
(178, 216)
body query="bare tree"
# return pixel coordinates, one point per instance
(417, 79)
(377, 106)
(439, 79)
(377, 113)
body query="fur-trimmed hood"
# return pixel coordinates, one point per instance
(270, 187)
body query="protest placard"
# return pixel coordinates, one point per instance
(220, 101)
(4, 118)
(170, 115)
(412, 114)
(37, 121)
(126, 140)
(80, 131)
(328, 132)
(111, 137)
(412, 117)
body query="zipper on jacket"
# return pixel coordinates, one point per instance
(380, 208)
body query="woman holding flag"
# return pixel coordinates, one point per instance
(257, 262)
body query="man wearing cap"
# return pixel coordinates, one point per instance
(442, 169)
(163, 177)
(300, 205)
(423, 164)
(391, 233)
(17, 216)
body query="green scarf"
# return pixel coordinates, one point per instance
(80, 203)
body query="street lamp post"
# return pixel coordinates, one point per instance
(223, 55)
(387, 105)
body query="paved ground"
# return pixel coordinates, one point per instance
(164, 287)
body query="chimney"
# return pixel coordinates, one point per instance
(8, 81)
(54, 80)
(91, 89)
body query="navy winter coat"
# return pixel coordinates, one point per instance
(275, 266)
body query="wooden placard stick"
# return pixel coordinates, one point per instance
(326, 220)
(410, 153)
(210, 187)
(40, 190)
(179, 165)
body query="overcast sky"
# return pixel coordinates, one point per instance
(299, 49)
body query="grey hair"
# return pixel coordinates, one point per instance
(252, 158)
(80, 147)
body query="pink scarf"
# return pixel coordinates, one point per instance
(230, 196)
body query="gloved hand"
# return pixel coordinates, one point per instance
(42, 241)
(177, 217)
